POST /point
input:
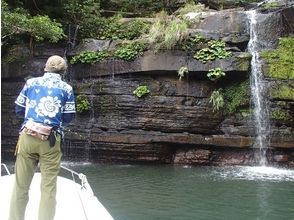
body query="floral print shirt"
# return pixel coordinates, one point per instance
(46, 99)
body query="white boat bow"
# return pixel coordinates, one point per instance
(74, 201)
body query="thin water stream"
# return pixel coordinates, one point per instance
(258, 91)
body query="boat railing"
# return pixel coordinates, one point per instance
(5, 168)
(84, 182)
(83, 179)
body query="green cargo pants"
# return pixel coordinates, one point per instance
(32, 151)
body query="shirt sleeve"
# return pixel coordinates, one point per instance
(66, 118)
(22, 97)
(70, 106)
(20, 111)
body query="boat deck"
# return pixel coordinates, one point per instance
(73, 201)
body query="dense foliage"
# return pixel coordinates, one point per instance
(89, 57)
(126, 51)
(133, 8)
(236, 94)
(112, 28)
(100, 19)
(216, 49)
(19, 22)
(129, 51)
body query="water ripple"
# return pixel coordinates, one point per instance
(261, 173)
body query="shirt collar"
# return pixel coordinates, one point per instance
(56, 75)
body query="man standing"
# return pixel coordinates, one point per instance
(47, 104)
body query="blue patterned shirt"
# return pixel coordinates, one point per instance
(46, 100)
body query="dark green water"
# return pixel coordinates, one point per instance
(137, 192)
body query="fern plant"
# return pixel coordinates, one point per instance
(182, 71)
(89, 57)
(215, 50)
(130, 51)
(216, 73)
(83, 104)
(141, 91)
(191, 44)
(217, 100)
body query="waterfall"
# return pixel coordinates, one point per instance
(258, 92)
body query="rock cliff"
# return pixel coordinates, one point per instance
(175, 122)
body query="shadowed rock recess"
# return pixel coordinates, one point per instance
(175, 122)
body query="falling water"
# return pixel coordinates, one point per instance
(258, 90)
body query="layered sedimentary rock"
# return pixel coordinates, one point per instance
(175, 122)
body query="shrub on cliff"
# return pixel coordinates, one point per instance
(167, 32)
(19, 22)
(132, 8)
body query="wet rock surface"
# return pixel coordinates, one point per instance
(174, 123)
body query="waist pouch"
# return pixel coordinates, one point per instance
(35, 134)
(40, 131)
(38, 128)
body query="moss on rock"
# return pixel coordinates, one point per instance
(280, 61)
(281, 115)
(283, 92)
(236, 95)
